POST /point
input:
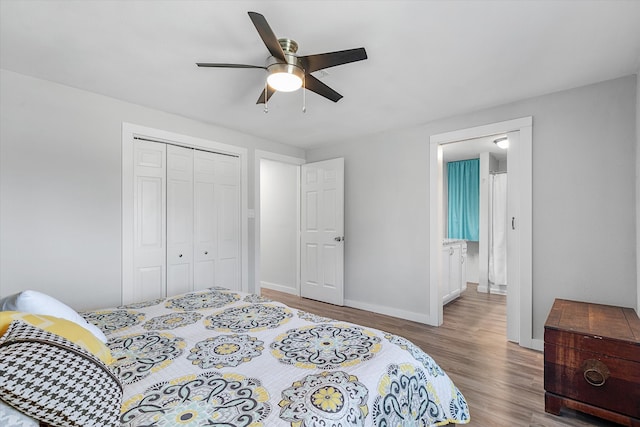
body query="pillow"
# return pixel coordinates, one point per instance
(49, 378)
(62, 327)
(38, 303)
(11, 417)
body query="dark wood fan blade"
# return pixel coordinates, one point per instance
(270, 91)
(315, 85)
(268, 37)
(217, 65)
(320, 61)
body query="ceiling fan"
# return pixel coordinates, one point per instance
(287, 71)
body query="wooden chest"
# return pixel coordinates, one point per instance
(592, 361)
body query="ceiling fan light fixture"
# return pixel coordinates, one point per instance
(502, 142)
(285, 77)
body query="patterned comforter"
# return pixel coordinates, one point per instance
(224, 358)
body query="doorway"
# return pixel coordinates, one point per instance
(480, 218)
(277, 235)
(519, 315)
(300, 207)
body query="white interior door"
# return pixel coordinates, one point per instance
(179, 220)
(513, 239)
(322, 235)
(149, 247)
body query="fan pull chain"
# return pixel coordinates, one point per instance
(266, 96)
(304, 93)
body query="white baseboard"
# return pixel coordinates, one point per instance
(537, 344)
(498, 291)
(402, 314)
(279, 288)
(483, 289)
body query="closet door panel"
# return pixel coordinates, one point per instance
(228, 242)
(228, 205)
(149, 247)
(179, 220)
(205, 215)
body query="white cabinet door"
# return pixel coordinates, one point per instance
(322, 236)
(149, 248)
(454, 270)
(463, 266)
(179, 220)
(445, 287)
(455, 278)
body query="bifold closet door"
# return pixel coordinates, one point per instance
(216, 220)
(227, 200)
(149, 248)
(186, 220)
(179, 219)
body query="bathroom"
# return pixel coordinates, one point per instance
(477, 221)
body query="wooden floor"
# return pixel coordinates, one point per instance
(502, 382)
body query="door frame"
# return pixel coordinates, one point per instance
(260, 155)
(436, 221)
(129, 133)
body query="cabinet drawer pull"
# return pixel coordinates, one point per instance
(595, 372)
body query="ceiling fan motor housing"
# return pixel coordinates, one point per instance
(292, 67)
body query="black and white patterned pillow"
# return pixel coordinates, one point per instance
(55, 381)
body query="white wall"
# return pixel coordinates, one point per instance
(584, 244)
(60, 186)
(638, 195)
(279, 200)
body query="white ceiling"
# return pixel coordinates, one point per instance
(427, 59)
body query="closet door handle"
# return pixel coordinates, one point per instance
(513, 222)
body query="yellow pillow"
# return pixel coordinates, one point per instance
(64, 328)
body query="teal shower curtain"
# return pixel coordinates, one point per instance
(463, 199)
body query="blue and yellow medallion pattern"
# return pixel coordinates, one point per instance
(331, 399)
(172, 321)
(254, 317)
(429, 364)
(325, 346)
(406, 397)
(210, 398)
(110, 321)
(217, 357)
(225, 350)
(202, 300)
(139, 355)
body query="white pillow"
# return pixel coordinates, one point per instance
(11, 417)
(38, 303)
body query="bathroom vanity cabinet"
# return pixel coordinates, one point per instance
(454, 269)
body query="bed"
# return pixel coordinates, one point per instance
(224, 358)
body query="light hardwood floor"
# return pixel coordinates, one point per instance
(502, 382)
